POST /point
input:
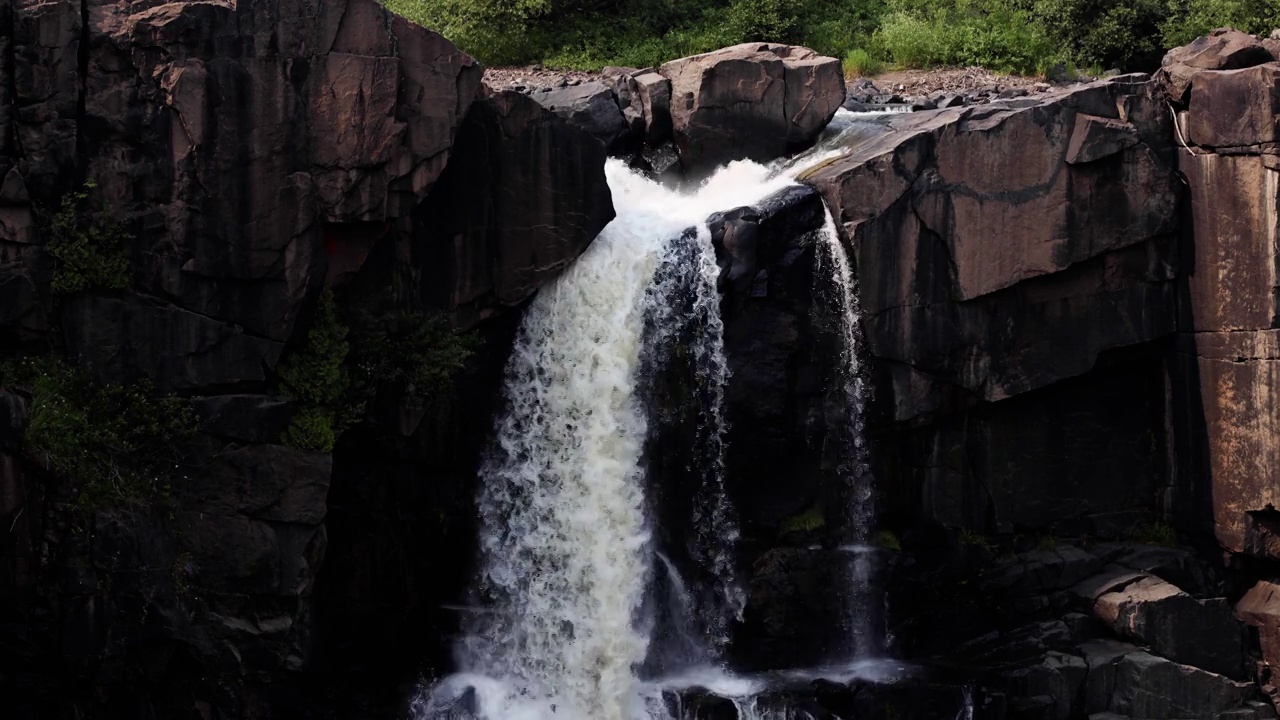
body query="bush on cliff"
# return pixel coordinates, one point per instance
(116, 444)
(339, 370)
(316, 376)
(87, 244)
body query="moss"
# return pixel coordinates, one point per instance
(1155, 533)
(116, 444)
(811, 520)
(889, 539)
(87, 245)
(973, 539)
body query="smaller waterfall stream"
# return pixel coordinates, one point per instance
(569, 563)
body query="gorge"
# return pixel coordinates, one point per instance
(756, 408)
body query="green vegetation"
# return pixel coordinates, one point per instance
(1156, 533)
(860, 63)
(973, 539)
(116, 444)
(339, 371)
(316, 376)
(1025, 36)
(413, 353)
(888, 540)
(88, 245)
(808, 521)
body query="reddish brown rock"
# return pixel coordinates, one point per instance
(1260, 608)
(1222, 49)
(1239, 377)
(1233, 271)
(1236, 110)
(754, 101)
(965, 246)
(1158, 614)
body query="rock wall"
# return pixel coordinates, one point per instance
(1003, 251)
(255, 154)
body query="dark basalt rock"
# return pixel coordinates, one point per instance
(528, 199)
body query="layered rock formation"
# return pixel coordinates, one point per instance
(756, 101)
(248, 156)
(988, 275)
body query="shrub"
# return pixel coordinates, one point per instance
(1189, 19)
(414, 353)
(1106, 33)
(87, 245)
(859, 62)
(316, 376)
(767, 20)
(115, 443)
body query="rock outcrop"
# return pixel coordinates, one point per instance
(237, 159)
(1226, 89)
(988, 274)
(755, 101)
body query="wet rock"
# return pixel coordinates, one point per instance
(927, 256)
(516, 239)
(1058, 677)
(1100, 657)
(755, 101)
(593, 107)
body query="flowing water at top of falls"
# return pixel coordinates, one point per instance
(568, 555)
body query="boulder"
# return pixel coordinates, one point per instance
(754, 101)
(1154, 688)
(1158, 614)
(594, 107)
(1222, 49)
(654, 92)
(1100, 657)
(1260, 608)
(529, 199)
(1235, 110)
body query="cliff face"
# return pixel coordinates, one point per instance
(1069, 314)
(236, 164)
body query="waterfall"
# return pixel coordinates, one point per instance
(571, 579)
(565, 542)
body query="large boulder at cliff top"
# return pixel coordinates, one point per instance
(594, 107)
(1222, 49)
(755, 101)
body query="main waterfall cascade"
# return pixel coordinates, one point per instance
(568, 606)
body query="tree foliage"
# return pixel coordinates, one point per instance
(1016, 35)
(87, 244)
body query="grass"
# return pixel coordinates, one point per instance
(861, 63)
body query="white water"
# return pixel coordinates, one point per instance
(567, 553)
